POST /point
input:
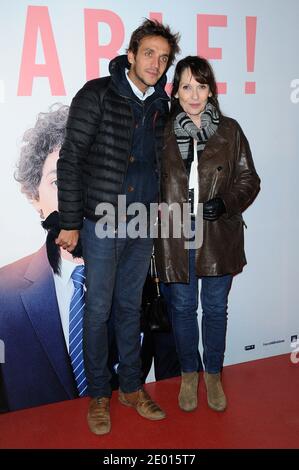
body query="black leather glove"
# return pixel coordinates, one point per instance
(213, 209)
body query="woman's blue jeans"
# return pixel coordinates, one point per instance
(182, 300)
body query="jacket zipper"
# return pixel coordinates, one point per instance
(132, 129)
(214, 182)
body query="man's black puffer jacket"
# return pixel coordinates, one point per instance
(94, 156)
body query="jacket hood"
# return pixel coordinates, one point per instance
(117, 68)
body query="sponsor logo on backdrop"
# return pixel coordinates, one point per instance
(275, 341)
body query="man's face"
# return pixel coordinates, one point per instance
(150, 62)
(47, 201)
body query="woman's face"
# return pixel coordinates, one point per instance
(193, 96)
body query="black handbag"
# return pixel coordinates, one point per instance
(154, 306)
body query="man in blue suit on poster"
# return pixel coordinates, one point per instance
(35, 302)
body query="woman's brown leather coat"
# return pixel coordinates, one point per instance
(225, 169)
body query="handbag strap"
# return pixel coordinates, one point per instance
(154, 273)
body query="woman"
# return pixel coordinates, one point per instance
(206, 159)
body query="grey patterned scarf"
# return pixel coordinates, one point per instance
(185, 130)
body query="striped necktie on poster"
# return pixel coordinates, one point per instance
(75, 329)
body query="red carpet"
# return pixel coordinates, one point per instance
(263, 412)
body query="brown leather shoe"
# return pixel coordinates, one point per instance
(98, 416)
(143, 404)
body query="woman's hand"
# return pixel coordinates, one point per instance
(213, 209)
(68, 239)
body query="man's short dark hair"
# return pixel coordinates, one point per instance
(154, 28)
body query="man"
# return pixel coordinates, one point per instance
(112, 147)
(35, 302)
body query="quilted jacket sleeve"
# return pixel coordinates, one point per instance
(81, 129)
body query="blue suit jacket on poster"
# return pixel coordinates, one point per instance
(37, 368)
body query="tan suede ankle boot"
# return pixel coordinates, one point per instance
(216, 396)
(188, 391)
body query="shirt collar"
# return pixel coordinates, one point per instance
(137, 92)
(66, 269)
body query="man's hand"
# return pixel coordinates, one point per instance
(68, 239)
(213, 209)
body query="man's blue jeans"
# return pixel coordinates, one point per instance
(116, 269)
(183, 302)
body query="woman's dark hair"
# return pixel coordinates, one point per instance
(154, 28)
(203, 73)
